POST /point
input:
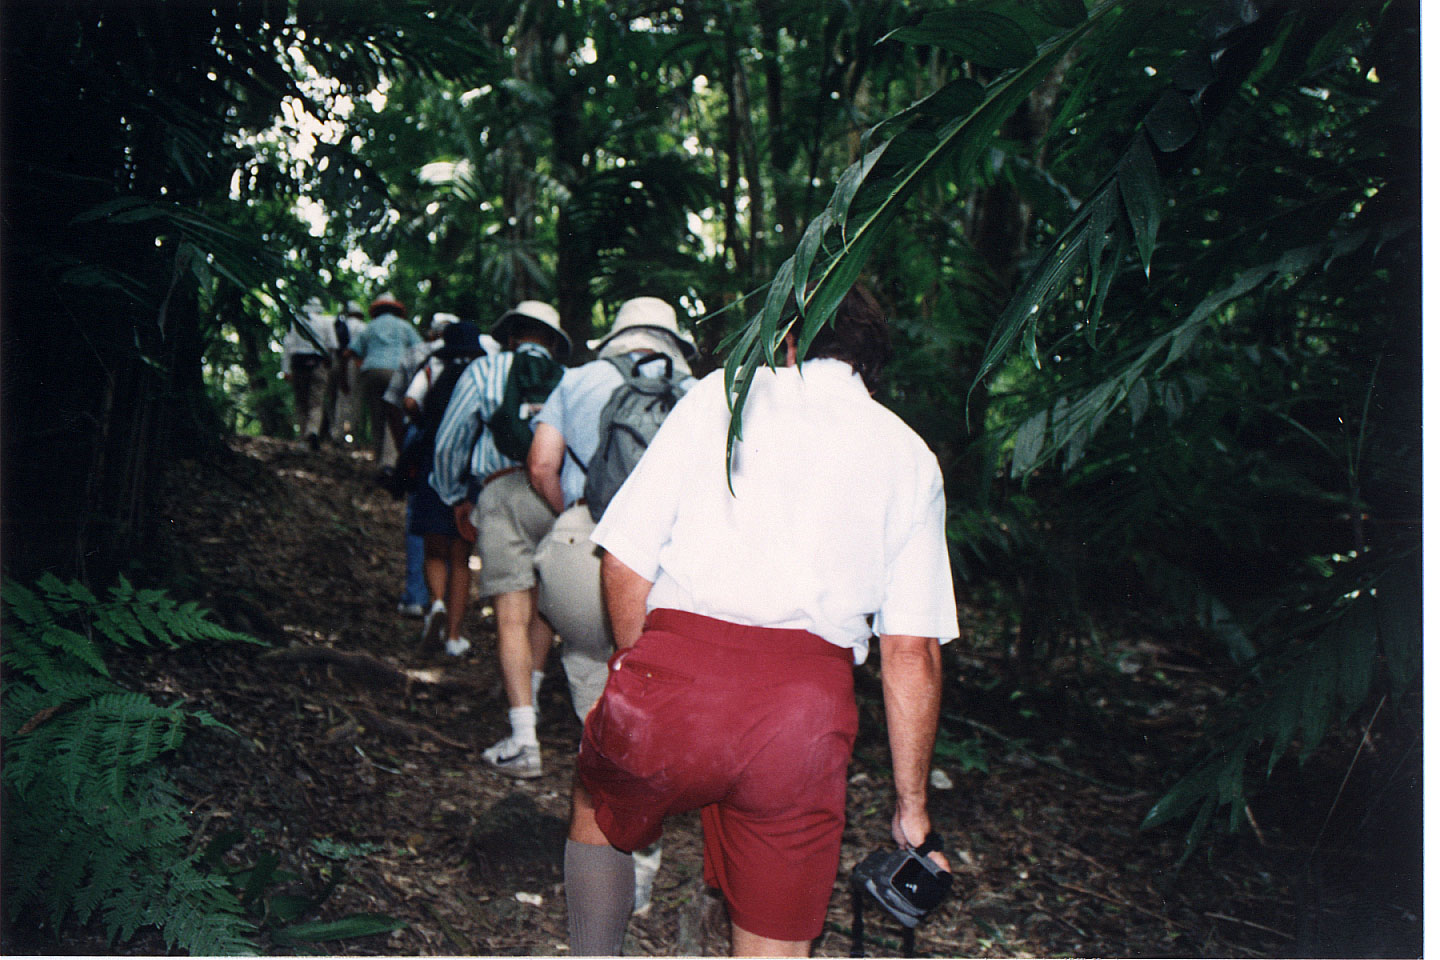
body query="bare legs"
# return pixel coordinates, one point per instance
(447, 574)
(524, 641)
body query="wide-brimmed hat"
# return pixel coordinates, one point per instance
(541, 313)
(353, 309)
(440, 321)
(650, 313)
(462, 339)
(386, 303)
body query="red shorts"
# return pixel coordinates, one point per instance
(753, 727)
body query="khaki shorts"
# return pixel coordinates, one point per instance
(511, 519)
(567, 567)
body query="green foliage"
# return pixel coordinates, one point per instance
(1227, 251)
(92, 824)
(1318, 680)
(278, 912)
(946, 131)
(969, 754)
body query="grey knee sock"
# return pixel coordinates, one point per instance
(599, 895)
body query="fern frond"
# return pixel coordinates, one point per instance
(77, 645)
(192, 622)
(99, 826)
(122, 622)
(23, 603)
(109, 872)
(150, 620)
(63, 596)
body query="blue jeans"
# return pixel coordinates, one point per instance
(415, 589)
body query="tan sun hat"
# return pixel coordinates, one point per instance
(541, 313)
(651, 313)
(386, 300)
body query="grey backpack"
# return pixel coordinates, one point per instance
(631, 416)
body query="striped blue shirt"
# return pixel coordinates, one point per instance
(459, 459)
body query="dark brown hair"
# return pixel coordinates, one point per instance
(859, 335)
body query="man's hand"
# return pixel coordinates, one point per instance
(625, 594)
(911, 833)
(468, 533)
(910, 677)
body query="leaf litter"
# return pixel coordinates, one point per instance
(352, 739)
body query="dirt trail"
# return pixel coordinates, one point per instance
(302, 550)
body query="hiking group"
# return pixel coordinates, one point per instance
(709, 609)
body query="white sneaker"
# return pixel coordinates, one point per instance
(647, 864)
(511, 759)
(434, 625)
(457, 646)
(410, 610)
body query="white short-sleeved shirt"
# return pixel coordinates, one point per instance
(424, 379)
(837, 516)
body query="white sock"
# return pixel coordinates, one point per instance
(537, 677)
(522, 725)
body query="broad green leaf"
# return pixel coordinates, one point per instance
(1062, 13)
(1029, 440)
(1139, 402)
(956, 99)
(809, 245)
(849, 185)
(1194, 71)
(121, 210)
(987, 39)
(1173, 399)
(1357, 654)
(1101, 284)
(1102, 217)
(1140, 189)
(1058, 265)
(357, 925)
(1398, 606)
(286, 907)
(259, 876)
(1172, 122)
(780, 290)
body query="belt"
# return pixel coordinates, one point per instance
(500, 473)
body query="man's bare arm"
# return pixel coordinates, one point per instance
(543, 464)
(625, 593)
(911, 678)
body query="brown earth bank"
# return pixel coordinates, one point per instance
(350, 738)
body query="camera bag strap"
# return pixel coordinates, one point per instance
(857, 927)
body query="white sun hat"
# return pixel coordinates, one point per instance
(648, 313)
(541, 313)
